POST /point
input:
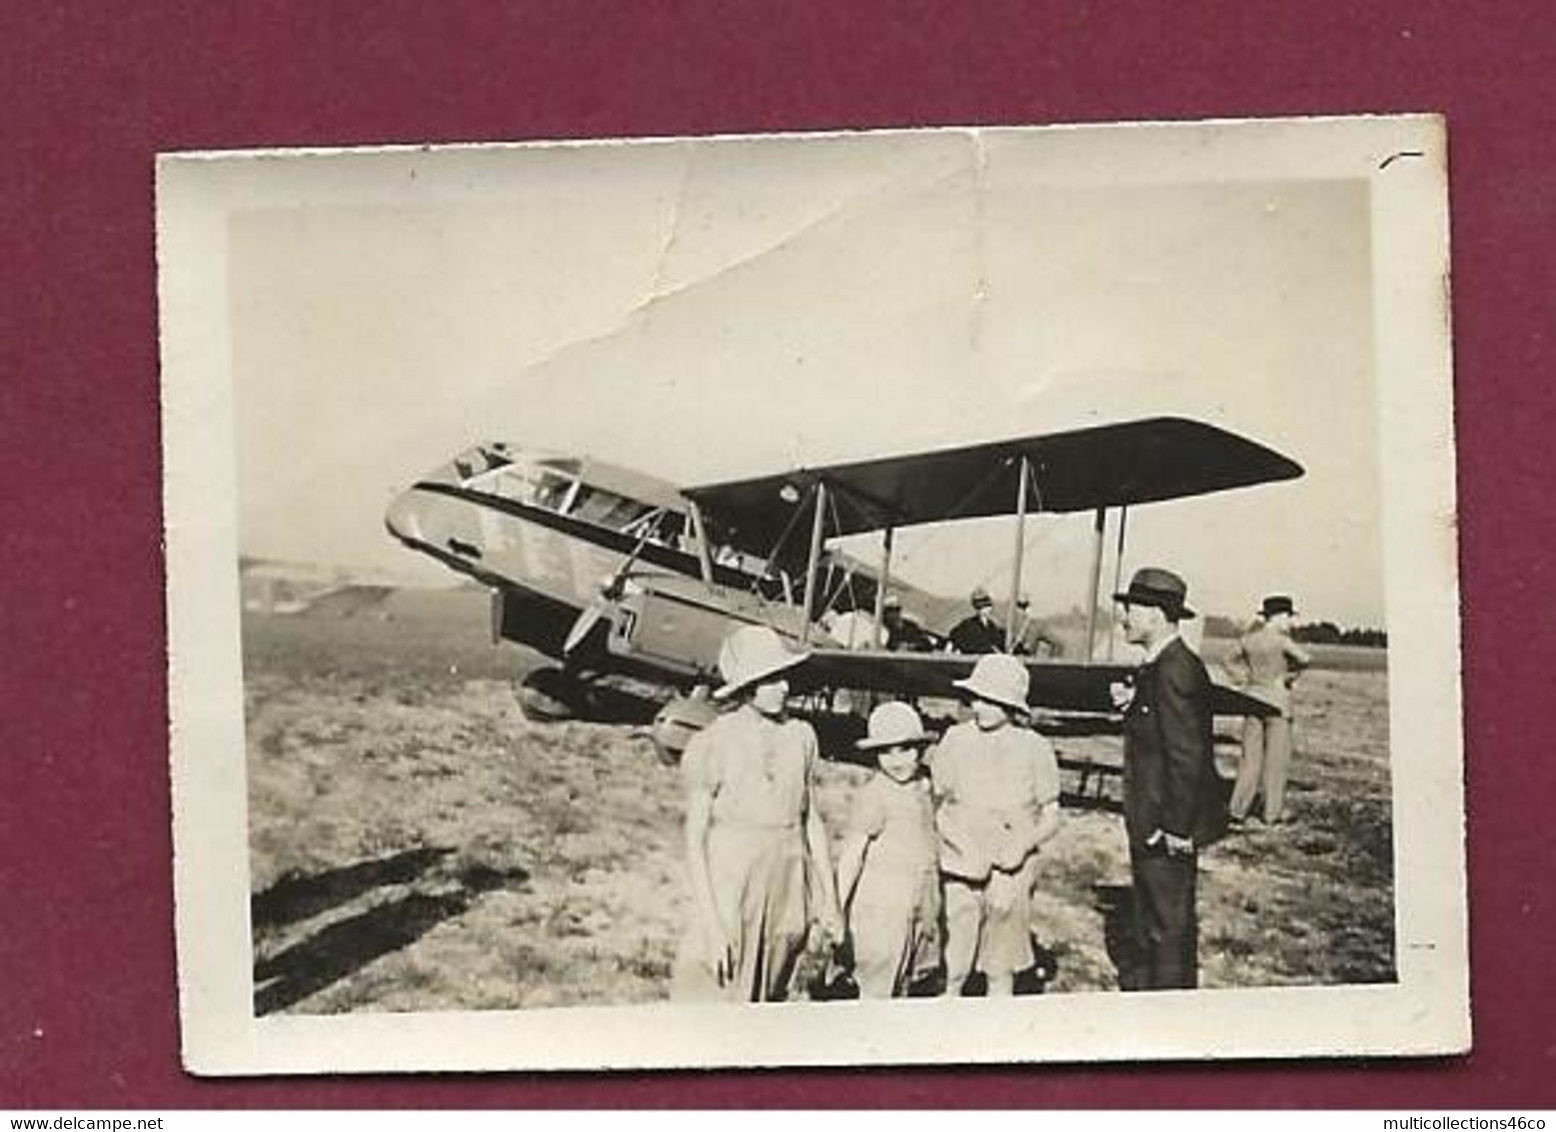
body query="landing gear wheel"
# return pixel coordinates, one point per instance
(550, 695)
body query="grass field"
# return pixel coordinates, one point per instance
(417, 845)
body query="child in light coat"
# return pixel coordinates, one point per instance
(888, 864)
(996, 785)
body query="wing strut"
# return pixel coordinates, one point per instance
(700, 530)
(1098, 525)
(1015, 579)
(1118, 566)
(813, 563)
(880, 589)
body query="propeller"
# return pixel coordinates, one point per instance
(587, 620)
(611, 590)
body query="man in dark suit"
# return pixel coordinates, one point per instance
(979, 632)
(1173, 802)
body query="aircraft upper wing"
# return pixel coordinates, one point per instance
(1140, 461)
(1056, 685)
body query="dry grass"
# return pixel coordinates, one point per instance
(417, 845)
(1310, 902)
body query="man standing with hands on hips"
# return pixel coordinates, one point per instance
(1272, 662)
(1172, 795)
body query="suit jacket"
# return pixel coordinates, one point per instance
(1170, 779)
(1271, 660)
(971, 636)
(906, 635)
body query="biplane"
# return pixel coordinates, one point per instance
(614, 574)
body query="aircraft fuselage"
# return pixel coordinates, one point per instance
(550, 538)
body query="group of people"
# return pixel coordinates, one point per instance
(935, 874)
(935, 871)
(978, 633)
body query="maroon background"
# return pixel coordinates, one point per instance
(87, 991)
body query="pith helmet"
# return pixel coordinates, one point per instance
(999, 679)
(894, 724)
(750, 655)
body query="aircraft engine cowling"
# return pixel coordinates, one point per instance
(677, 722)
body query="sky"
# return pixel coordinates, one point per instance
(705, 310)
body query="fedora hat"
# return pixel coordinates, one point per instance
(751, 655)
(1152, 585)
(1000, 679)
(1276, 604)
(894, 724)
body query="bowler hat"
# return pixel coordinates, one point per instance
(1000, 679)
(1275, 605)
(1152, 585)
(751, 655)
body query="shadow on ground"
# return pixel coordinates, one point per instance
(345, 946)
(295, 898)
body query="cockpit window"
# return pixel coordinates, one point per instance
(554, 483)
(552, 490)
(607, 509)
(480, 460)
(536, 484)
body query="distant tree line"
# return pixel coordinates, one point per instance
(1221, 627)
(1218, 626)
(1328, 633)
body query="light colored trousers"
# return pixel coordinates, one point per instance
(989, 926)
(1266, 762)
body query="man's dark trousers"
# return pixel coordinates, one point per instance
(1171, 789)
(1166, 928)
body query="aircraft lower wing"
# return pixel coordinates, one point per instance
(1055, 685)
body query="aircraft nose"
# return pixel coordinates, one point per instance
(401, 518)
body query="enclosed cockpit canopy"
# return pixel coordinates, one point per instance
(578, 487)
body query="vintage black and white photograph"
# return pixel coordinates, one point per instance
(916, 596)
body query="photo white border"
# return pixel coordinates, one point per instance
(1425, 1012)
